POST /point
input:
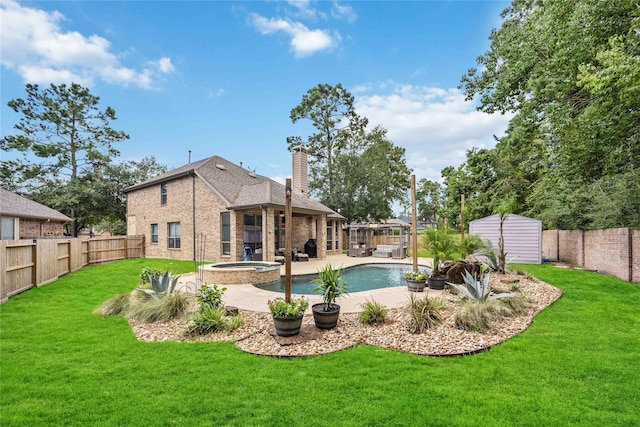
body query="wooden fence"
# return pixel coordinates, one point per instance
(28, 263)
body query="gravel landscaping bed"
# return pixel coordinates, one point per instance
(257, 335)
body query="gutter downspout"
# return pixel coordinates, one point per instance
(193, 212)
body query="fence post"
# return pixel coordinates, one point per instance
(34, 260)
(3, 273)
(630, 245)
(126, 246)
(142, 247)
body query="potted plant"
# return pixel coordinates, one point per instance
(330, 285)
(287, 316)
(416, 280)
(441, 245)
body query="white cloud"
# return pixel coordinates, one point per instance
(436, 126)
(303, 10)
(343, 11)
(215, 93)
(34, 44)
(304, 41)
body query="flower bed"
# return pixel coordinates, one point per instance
(258, 336)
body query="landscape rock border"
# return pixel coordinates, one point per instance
(257, 335)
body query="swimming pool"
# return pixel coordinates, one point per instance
(359, 278)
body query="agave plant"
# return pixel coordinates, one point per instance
(162, 285)
(478, 289)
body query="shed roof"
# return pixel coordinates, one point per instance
(12, 204)
(239, 187)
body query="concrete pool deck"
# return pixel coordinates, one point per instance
(248, 297)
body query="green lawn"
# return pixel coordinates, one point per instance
(578, 364)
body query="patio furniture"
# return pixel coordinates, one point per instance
(357, 250)
(383, 251)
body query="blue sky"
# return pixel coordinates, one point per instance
(220, 78)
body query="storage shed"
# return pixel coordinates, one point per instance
(522, 236)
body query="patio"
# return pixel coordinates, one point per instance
(248, 297)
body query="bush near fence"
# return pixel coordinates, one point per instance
(28, 263)
(614, 251)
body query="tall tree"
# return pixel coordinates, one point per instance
(570, 69)
(330, 110)
(429, 200)
(63, 139)
(372, 174)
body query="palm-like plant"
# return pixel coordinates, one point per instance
(471, 244)
(330, 285)
(441, 245)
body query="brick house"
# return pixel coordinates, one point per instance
(21, 218)
(233, 208)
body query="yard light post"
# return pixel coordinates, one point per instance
(287, 238)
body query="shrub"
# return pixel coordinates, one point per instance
(235, 322)
(119, 304)
(470, 244)
(210, 296)
(475, 316)
(373, 313)
(515, 305)
(212, 315)
(424, 312)
(160, 309)
(208, 319)
(441, 246)
(514, 286)
(420, 276)
(278, 307)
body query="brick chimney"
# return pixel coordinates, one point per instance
(300, 179)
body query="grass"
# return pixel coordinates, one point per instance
(62, 365)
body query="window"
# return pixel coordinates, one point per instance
(7, 228)
(278, 232)
(174, 235)
(154, 233)
(163, 193)
(329, 235)
(225, 232)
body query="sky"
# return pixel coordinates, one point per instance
(221, 77)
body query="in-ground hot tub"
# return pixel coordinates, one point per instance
(237, 273)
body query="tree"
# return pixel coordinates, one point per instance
(508, 206)
(372, 173)
(330, 110)
(428, 200)
(64, 142)
(571, 71)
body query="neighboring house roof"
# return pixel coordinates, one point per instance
(420, 225)
(239, 187)
(12, 204)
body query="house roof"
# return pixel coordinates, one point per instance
(239, 187)
(12, 204)
(387, 223)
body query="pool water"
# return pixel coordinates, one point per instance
(358, 278)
